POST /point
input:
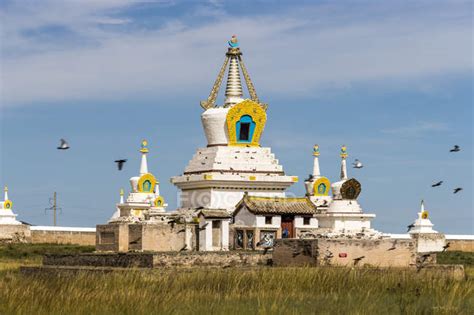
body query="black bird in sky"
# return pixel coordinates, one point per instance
(63, 145)
(120, 163)
(456, 190)
(456, 148)
(410, 227)
(437, 184)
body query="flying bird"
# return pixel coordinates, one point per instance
(445, 247)
(120, 163)
(357, 164)
(456, 190)
(358, 259)
(456, 148)
(437, 184)
(63, 145)
(410, 227)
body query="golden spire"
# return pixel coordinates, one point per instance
(233, 93)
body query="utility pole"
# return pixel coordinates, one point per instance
(53, 207)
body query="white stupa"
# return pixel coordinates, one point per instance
(422, 224)
(344, 214)
(7, 217)
(144, 199)
(233, 163)
(318, 186)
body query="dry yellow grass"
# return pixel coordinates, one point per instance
(236, 291)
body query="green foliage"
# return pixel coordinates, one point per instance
(23, 251)
(461, 258)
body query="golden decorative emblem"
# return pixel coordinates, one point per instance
(159, 201)
(351, 189)
(146, 183)
(256, 113)
(424, 215)
(7, 204)
(321, 187)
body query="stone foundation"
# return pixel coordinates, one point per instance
(160, 260)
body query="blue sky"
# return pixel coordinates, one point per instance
(391, 80)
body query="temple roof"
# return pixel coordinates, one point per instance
(214, 213)
(277, 205)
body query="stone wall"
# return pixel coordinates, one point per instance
(15, 233)
(160, 259)
(145, 237)
(344, 252)
(63, 237)
(461, 245)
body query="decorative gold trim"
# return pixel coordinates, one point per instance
(295, 179)
(254, 110)
(207, 176)
(211, 100)
(252, 177)
(143, 178)
(424, 215)
(319, 181)
(248, 82)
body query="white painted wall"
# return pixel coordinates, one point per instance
(299, 223)
(276, 221)
(225, 234)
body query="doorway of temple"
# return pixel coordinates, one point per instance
(287, 226)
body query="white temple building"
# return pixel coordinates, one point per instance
(233, 191)
(7, 217)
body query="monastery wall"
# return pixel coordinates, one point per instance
(14, 233)
(344, 252)
(62, 235)
(463, 243)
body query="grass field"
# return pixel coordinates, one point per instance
(229, 291)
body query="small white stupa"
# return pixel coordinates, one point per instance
(422, 224)
(318, 186)
(7, 217)
(144, 201)
(344, 214)
(427, 239)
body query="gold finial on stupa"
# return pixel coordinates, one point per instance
(344, 152)
(144, 146)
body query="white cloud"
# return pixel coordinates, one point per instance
(295, 52)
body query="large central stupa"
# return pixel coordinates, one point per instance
(233, 163)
